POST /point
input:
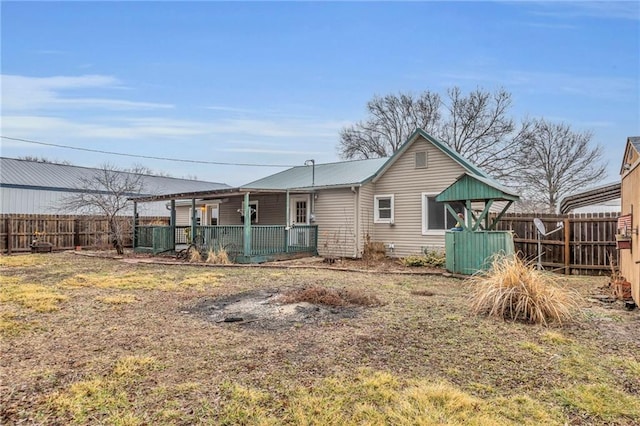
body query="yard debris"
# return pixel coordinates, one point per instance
(268, 309)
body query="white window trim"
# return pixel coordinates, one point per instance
(425, 217)
(376, 214)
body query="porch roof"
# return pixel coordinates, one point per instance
(204, 195)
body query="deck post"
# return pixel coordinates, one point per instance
(135, 225)
(286, 224)
(247, 227)
(193, 220)
(172, 224)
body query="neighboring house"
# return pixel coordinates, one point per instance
(389, 200)
(629, 222)
(32, 187)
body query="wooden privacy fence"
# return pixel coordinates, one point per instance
(17, 231)
(583, 246)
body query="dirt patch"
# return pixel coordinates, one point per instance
(268, 310)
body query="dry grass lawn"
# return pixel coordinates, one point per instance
(97, 341)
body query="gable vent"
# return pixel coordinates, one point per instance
(421, 160)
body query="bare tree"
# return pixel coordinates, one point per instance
(559, 161)
(106, 192)
(392, 119)
(476, 125)
(43, 160)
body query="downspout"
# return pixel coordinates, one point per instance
(356, 221)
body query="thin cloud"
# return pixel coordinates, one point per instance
(22, 93)
(271, 151)
(609, 88)
(628, 10)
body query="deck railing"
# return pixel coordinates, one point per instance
(265, 239)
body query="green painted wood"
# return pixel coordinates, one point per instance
(469, 252)
(135, 223)
(246, 249)
(468, 187)
(287, 216)
(193, 219)
(172, 221)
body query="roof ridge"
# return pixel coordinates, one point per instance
(46, 163)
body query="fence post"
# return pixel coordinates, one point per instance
(567, 246)
(9, 224)
(76, 233)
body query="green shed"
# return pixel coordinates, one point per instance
(470, 249)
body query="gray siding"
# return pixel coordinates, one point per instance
(407, 184)
(366, 193)
(336, 220)
(36, 201)
(271, 210)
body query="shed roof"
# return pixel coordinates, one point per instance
(28, 174)
(476, 188)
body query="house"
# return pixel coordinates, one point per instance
(629, 221)
(34, 187)
(334, 209)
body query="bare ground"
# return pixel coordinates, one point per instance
(422, 329)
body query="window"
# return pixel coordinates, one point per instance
(383, 208)
(435, 216)
(253, 205)
(421, 160)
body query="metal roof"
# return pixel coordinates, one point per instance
(476, 188)
(635, 141)
(343, 173)
(15, 173)
(590, 197)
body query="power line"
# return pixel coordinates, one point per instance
(150, 157)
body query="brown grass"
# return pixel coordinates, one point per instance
(330, 297)
(412, 360)
(514, 290)
(422, 293)
(218, 257)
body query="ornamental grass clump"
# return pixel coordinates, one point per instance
(515, 290)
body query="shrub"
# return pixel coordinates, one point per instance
(513, 289)
(433, 258)
(329, 296)
(194, 255)
(374, 251)
(219, 257)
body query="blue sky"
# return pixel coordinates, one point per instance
(273, 83)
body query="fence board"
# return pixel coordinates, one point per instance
(583, 247)
(17, 231)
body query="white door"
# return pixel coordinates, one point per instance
(299, 215)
